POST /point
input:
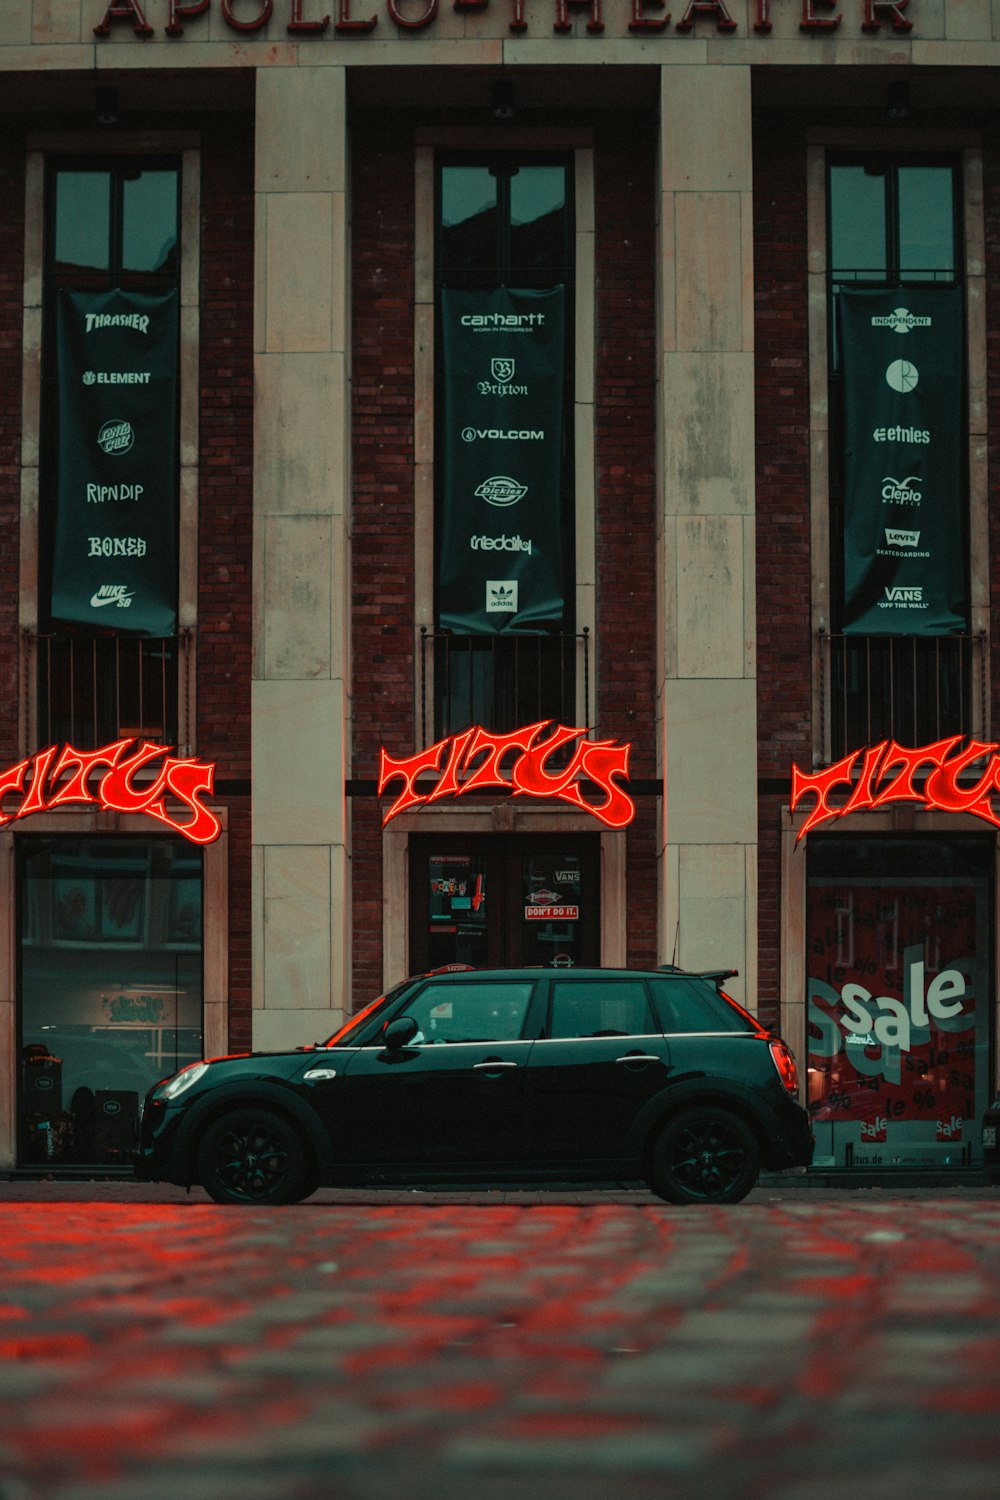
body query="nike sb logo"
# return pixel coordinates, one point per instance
(111, 593)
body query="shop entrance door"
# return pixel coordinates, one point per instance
(504, 901)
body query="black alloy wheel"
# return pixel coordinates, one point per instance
(254, 1156)
(704, 1155)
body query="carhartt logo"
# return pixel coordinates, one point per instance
(111, 593)
(501, 596)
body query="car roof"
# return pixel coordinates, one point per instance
(666, 971)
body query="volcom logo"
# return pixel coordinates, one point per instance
(501, 596)
(901, 321)
(111, 593)
(502, 435)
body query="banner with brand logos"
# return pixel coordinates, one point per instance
(902, 357)
(114, 562)
(500, 555)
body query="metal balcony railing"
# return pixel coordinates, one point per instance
(914, 689)
(86, 690)
(501, 682)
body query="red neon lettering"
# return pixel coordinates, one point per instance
(296, 23)
(395, 14)
(642, 22)
(117, 791)
(716, 8)
(893, 8)
(180, 11)
(811, 22)
(124, 10)
(939, 792)
(599, 761)
(344, 22)
(563, 22)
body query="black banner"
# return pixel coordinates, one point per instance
(500, 563)
(902, 357)
(114, 559)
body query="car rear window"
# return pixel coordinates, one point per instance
(691, 1004)
(600, 1007)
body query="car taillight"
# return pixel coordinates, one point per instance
(785, 1064)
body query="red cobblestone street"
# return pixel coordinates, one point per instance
(805, 1344)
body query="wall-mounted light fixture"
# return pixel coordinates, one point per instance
(106, 105)
(503, 99)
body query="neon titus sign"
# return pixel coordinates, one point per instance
(885, 773)
(56, 777)
(470, 761)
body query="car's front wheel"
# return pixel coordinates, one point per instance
(704, 1155)
(254, 1156)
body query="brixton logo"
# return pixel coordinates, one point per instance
(116, 437)
(502, 369)
(901, 321)
(500, 489)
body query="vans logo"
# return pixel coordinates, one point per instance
(904, 595)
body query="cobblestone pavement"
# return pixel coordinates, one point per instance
(804, 1345)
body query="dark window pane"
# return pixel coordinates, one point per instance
(468, 218)
(857, 224)
(149, 221)
(470, 1012)
(537, 218)
(601, 1007)
(694, 1005)
(83, 220)
(926, 224)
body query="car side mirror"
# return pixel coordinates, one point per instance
(399, 1033)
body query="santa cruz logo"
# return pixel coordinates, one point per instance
(501, 596)
(901, 491)
(500, 435)
(500, 489)
(900, 321)
(116, 437)
(111, 593)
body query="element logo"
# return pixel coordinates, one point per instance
(501, 596)
(901, 321)
(116, 437)
(500, 489)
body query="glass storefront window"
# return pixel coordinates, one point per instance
(552, 930)
(110, 988)
(899, 942)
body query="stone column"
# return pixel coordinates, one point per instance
(706, 675)
(301, 482)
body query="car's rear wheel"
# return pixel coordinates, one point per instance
(254, 1156)
(704, 1155)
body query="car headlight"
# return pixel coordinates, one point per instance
(182, 1080)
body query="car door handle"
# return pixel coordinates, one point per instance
(638, 1057)
(492, 1066)
(319, 1075)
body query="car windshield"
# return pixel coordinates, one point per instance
(355, 1024)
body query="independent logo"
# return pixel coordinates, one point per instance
(111, 593)
(900, 321)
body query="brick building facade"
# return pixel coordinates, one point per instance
(310, 186)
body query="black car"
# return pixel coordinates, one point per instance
(509, 1076)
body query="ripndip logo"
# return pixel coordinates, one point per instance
(900, 321)
(500, 489)
(501, 596)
